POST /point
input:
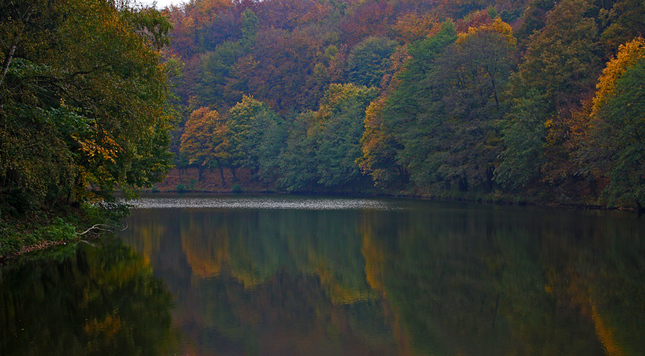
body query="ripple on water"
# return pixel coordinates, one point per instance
(261, 203)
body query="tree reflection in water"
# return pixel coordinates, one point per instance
(440, 279)
(427, 279)
(100, 300)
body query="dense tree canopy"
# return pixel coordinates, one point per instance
(474, 99)
(82, 100)
(615, 147)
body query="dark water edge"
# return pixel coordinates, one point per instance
(374, 276)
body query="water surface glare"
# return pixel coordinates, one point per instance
(280, 203)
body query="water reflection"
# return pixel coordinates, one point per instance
(99, 300)
(411, 278)
(417, 278)
(273, 282)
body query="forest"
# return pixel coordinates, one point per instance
(83, 113)
(534, 101)
(501, 100)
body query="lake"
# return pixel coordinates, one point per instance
(294, 275)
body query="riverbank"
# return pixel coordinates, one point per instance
(43, 229)
(189, 180)
(46, 228)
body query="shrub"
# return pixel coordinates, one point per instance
(237, 189)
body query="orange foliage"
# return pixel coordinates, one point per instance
(475, 20)
(370, 18)
(411, 27)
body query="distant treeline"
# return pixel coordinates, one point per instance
(523, 100)
(497, 99)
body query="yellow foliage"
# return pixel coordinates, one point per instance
(109, 326)
(339, 293)
(628, 54)
(206, 258)
(205, 137)
(605, 334)
(104, 147)
(498, 26)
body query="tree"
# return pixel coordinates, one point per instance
(444, 112)
(561, 63)
(407, 108)
(471, 76)
(562, 59)
(368, 61)
(83, 102)
(323, 146)
(255, 135)
(524, 137)
(617, 126)
(626, 22)
(338, 127)
(379, 149)
(205, 140)
(298, 162)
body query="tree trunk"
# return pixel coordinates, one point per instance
(14, 44)
(221, 171)
(7, 61)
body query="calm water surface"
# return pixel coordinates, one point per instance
(282, 275)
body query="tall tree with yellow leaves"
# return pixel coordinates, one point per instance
(616, 146)
(205, 140)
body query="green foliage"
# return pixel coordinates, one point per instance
(524, 137)
(368, 61)
(214, 72)
(60, 230)
(83, 102)
(626, 21)
(444, 111)
(562, 59)
(297, 162)
(466, 106)
(246, 123)
(407, 109)
(338, 128)
(41, 228)
(327, 155)
(616, 147)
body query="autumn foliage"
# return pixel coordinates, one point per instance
(479, 99)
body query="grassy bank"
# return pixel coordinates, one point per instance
(44, 228)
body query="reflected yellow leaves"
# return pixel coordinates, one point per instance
(341, 294)
(443, 282)
(375, 259)
(102, 299)
(102, 333)
(206, 256)
(605, 334)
